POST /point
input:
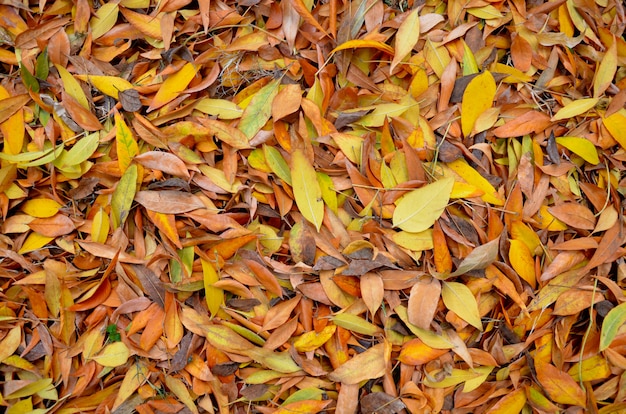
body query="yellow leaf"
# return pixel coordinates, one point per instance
(312, 340)
(473, 177)
(306, 189)
(510, 404)
(406, 38)
(382, 112)
(10, 343)
(113, 355)
(485, 12)
(456, 376)
(180, 390)
(459, 299)
(126, 145)
(522, 261)
(521, 231)
(173, 86)
(228, 134)
(214, 296)
(581, 147)
(605, 71)
(616, 124)
(575, 108)
(135, 376)
(221, 108)
(100, 227)
(358, 43)
(590, 369)
(515, 75)
(109, 85)
(72, 87)
(369, 364)
(104, 20)
(146, 24)
(12, 129)
(355, 323)
(414, 241)
(546, 220)
(41, 207)
(123, 196)
(437, 57)
(350, 145)
(419, 209)
(477, 98)
(166, 223)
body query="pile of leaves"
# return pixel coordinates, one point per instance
(297, 207)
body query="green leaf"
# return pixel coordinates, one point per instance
(277, 163)
(81, 151)
(123, 196)
(419, 209)
(306, 189)
(459, 298)
(611, 325)
(259, 110)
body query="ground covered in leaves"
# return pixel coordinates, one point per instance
(297, 207)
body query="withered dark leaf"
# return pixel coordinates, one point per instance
(381, 403)
(130, 100)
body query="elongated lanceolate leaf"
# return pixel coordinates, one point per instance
(306, 189)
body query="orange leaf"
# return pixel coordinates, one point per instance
(559, 386)
(527, 123)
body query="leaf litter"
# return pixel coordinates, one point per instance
(300, 206)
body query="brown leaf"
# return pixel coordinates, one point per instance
(168, 201)
(575, 215)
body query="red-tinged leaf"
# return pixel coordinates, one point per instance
(168, 201)
(560, 387)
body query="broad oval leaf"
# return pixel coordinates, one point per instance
(419, 209)
(560, 386)
(364, 366)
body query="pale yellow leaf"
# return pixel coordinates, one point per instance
(406, 38)
(418, 210)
